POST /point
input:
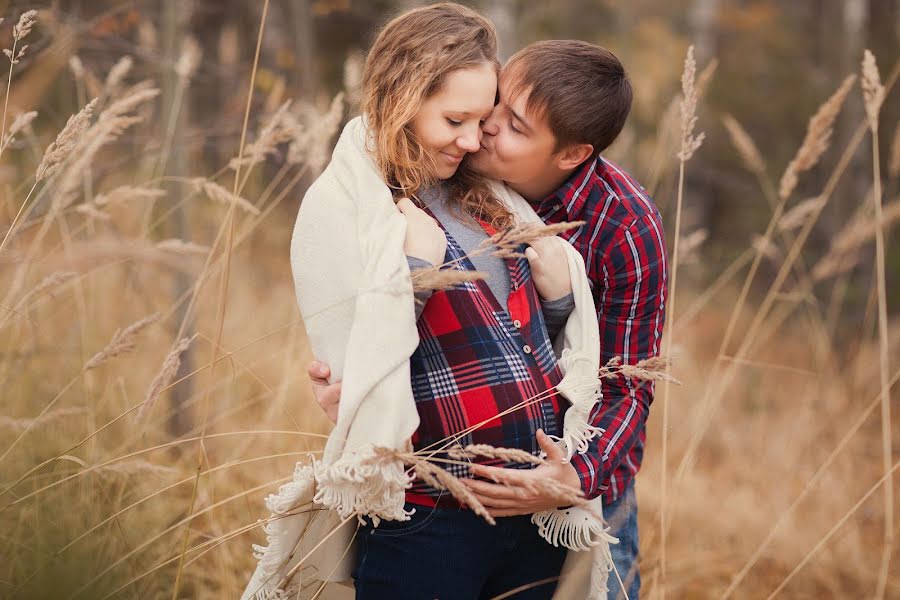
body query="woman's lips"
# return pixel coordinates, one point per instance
(453, 159)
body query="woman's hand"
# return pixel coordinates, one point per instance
(549, 268)
(424, 237)
(328, 395)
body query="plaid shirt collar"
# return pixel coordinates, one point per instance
(567, 202)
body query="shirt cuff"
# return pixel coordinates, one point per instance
(590, 478)
(556, 313)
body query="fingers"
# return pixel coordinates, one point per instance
(554, 452)
(406, 205)
(495, 491)
(318, 372)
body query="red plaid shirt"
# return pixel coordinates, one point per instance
(624, 251)
(476, 360)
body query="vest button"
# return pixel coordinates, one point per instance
(517, 324)
(526, 349)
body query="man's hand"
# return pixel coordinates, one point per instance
(328, 395)
(514, 496)
(549, 268)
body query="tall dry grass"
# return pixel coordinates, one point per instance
(776, 473)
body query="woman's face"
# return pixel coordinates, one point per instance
(449, 123)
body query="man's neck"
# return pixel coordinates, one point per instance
(535, 191)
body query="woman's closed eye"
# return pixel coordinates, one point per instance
(453, 122)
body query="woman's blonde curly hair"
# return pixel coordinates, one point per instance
(409, 61)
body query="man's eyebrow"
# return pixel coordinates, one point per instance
(519, 118)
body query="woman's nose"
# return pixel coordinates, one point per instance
(470, 141)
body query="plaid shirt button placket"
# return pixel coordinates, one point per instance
(476, 361)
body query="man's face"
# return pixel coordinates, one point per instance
(517, 147)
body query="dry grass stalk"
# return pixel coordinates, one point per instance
(434, 278)
(217, 193)
(650, 369)
(873, 94)
(864, 228)
(508, 241)
(92, 212)
(796, 217)
(188, 59)
(744, 145)
(123, 341)
(20, 31)
(182, 247)
(690, 94)
(873, 91)
(24, 424)
(817, 140)
(894, 162)
(766, 247)
(508, 454)
(65, 142)
(137, 466)
(166, 375)
(49, 283)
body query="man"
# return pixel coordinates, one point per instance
(561, 103)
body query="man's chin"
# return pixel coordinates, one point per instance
(481, 164)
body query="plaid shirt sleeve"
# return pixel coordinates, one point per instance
(630, 293)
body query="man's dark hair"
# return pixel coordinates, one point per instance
(581, 88)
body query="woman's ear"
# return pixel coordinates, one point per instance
(573, 155)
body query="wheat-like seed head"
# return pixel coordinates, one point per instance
(182, 247)
(817, 140)
(873, 91)
(128, 193)
(798, 215)
(689, 245)
(744, 144)
(508, 454)
(277, 129)
(23, 27)
(188, 59)
(689, 142)
(117, 74)
(65, 142)
(217, 193)
(434, 278)
(122, 342)
(166, 375)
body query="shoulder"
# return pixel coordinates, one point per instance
(625, 200)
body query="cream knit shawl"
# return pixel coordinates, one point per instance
(355, 295)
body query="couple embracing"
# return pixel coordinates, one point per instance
(451, 159)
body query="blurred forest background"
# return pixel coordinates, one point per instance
(777, 442)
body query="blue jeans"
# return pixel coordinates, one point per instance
(622, 518)
(453, 554)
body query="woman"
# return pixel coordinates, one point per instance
(473, 363)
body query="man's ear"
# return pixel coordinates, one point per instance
(573, 155)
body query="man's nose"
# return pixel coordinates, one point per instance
(490, 125)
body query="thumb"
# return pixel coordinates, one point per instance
(534, 259)
(554, 452)
(404, 205)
